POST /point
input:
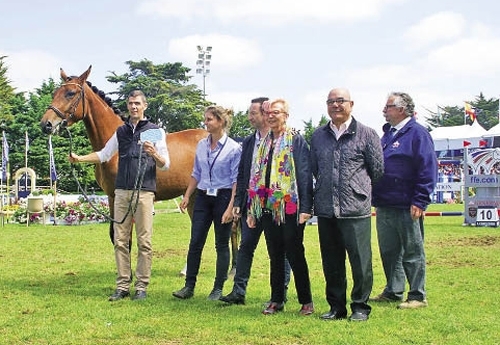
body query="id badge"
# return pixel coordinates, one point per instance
(212, 191)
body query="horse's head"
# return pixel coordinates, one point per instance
(68, 104)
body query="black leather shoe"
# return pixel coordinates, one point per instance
(273, 308)
(215, 294)
(334, 314)
(118, 295)
(139, 294)
(184, 293)
(233, 298)
(358, 316)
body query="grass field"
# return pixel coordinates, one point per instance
(55, 280)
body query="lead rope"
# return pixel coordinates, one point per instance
(138, 182)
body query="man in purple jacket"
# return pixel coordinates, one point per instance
(401, 197)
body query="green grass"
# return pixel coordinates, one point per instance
(55, 280)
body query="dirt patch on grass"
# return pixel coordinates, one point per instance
(477, 241)
(464, 252)
(168, 253)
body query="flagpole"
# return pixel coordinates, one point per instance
(55, 202)
(5, 168)
(26, 144)
(8, 182)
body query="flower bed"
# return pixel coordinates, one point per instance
(65, 213)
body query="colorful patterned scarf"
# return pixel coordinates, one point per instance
(281, 197)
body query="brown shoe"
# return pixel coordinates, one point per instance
(307, 309)
(413, 304)
(273, 308)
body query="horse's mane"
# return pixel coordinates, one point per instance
(103, 96)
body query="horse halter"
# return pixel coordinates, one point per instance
(74, 105)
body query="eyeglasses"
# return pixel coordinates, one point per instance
(275, 112)
(339, 100)
(387, 106)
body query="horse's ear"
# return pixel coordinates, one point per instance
(64, 77)
(85, 75)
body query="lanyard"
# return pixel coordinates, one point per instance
(211, 166)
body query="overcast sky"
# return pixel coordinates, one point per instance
(440, 52)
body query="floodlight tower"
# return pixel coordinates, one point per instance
(203, 64)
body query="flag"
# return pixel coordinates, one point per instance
(483, 143)
(53, 173)
(27, 141)
(466, 143)
(5, 157)
(470, 111)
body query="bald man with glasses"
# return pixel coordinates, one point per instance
(346, 160)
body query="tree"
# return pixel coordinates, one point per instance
(7, 94)
(309, 127)
(486, 114)
(241, 127)
(173, 104)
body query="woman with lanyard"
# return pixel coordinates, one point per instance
(280, 196)
(214, 178)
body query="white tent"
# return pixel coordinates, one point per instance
(452, 138)
(493, 131)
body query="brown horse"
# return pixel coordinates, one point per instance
(75, 100)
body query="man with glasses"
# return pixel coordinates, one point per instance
(401, 197)
(346, 160)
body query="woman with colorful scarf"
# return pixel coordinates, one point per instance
(280, 196)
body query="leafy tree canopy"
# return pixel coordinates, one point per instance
(172, 102)
(241, 127)
(7, 95)
(309, 127)
(486, 114)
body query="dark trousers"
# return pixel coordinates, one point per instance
(249, 240)
(336, 237)
(401, 245)
(287, 240)
(208, 209)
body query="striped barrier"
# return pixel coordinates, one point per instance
(314, 219)
(437, 214)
